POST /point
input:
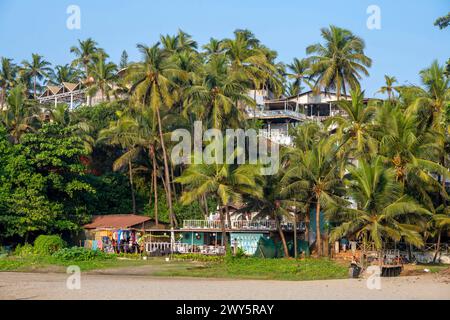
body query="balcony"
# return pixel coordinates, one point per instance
(274, 114)
(239, 225)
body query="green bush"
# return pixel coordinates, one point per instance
(24, 251)
(81, 254)
(47, 245)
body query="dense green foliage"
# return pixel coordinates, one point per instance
(48, 245)
(376, 169)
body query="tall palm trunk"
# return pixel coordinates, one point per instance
(318, 236)
(224, 231)
(133, 198)
(173, 221)
(155, 182)
(438, 246)
(34, 87)
(283, 239)
(307, 223)
(227, 210)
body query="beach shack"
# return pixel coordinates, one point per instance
(117, 233)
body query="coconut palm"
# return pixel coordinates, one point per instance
(64, 73)
(432, 100)
(412, 152)
(339, 63)
(8, 74)
(104, 75)
(314, 175)
(215, 98)
(250, 60)
(85, 53)
(355, 125)
(123, 133)
(299, 72)
(213, 47)
(270, 204)
(37, 69)
(225, 182)
(152, 84)
(388, 87)
(381, 208)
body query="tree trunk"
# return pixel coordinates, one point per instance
(173, 221)
(205, 206)
(295, 236)
(307, 223)
(227, 210)
(318, 237)
(34, 87)
(133, 198)
(283, 239)
(438, 246)
(155, 182)
(224, 232)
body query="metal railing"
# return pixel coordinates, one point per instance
(182, 248)
(240, 225)
(276, 113)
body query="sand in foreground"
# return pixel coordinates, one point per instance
(53, 286)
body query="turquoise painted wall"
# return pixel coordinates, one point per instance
(190, 238)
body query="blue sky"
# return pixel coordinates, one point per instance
(406, 43)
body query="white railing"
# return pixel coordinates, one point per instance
(203, 224)
(182, 248)
(240, 225)
(276, 136)
(258, 225)
(275, 113)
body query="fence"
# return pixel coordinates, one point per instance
(269, 225)
(182, 248)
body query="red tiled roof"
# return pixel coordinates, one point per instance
(119, 221)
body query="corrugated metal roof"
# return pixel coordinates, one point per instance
(119, 221)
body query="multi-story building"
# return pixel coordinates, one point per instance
(278, 115)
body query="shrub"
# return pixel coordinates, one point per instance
(47, 245)
(81, 254)
(24, 251)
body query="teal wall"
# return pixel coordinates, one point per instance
(189, 238)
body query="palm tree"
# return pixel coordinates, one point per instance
(250, 60)
(64, 73)
(388, 87)
(123, 133)
(152, 86)
(314, 176)
(340, 61)
(105, 75)
(411, 151)
(19, 117)
(226, 182)
(8, 73)
(299, 72)
(381, 207)
(355, 126)
(213, 47)
(37, 68)
(215, 98)
(185, 42)
(435, 96)
(85, 53)
(270, 204)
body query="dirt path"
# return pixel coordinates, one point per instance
(109, 286)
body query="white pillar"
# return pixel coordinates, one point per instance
(71, 101)
(56, 101)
